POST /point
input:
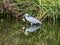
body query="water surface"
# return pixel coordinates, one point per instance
(12, 33)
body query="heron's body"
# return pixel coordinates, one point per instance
(31, 19)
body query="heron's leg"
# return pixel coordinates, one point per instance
(31, 24)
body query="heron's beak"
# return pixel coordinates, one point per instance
(23, 16)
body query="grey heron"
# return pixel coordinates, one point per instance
(31, 19)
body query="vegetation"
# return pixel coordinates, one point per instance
(41, 9)
(47, 11)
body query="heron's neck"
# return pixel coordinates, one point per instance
(26, 16)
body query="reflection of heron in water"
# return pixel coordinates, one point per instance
(31, 29)
(31, 19)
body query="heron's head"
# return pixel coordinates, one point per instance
(26, 14)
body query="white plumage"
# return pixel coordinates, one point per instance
(31, 19)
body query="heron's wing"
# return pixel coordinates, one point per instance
(33, 20)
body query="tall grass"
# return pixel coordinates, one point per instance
(48, 8)
(41, 9)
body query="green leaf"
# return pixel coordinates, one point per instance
(18, 1)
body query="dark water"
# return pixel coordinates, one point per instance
(12, 32)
